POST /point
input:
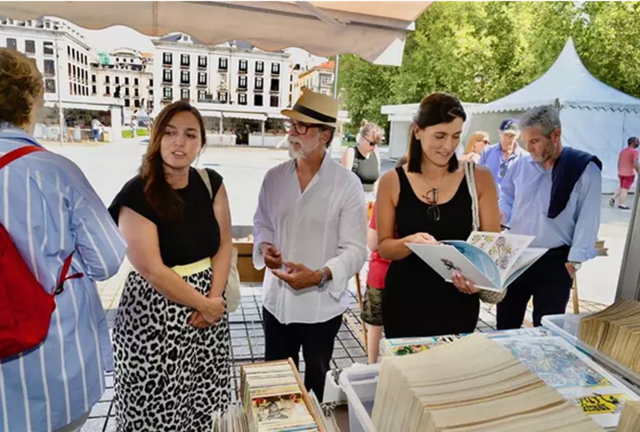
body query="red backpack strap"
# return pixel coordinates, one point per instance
(18, 153)
(63, 275)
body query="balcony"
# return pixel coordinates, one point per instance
(185, 83)
(167, 62)
(258, 89)
(202, 84)
(202, 66)
(223, 67)
(275, 72)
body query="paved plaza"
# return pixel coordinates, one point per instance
(109, 166)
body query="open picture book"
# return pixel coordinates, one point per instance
(492, 261)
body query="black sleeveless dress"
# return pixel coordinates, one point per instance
(416, 300)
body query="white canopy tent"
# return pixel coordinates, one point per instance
(595, 117)
(376, 31)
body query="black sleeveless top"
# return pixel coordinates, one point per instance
(190, 239)
(367, 169)
(417, 301)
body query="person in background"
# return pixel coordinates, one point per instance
(171, 335)
(627, 169)
(475, 144)
(96, 128)
(552, 194)
(364, 160)
(51, 211)
(499, 157)
(425, 201)
(378, 266)
(310, 231)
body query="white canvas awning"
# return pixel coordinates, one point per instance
(245, 115)
(375, 31)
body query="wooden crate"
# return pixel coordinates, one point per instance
(248, 274)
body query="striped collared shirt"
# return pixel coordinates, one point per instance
(50, 210)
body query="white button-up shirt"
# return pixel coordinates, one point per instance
(324, 226)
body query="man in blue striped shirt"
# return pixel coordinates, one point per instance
(50, 210)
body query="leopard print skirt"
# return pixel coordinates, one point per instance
(169, 375)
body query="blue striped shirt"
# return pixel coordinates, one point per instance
(50, 209)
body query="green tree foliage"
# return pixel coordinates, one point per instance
(482, 51)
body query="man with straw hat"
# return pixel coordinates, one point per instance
(310, 231)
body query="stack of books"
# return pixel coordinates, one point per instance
(275, 399)
(472, 384)
(630, 420)
(615, 331)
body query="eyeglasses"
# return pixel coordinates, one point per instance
(371, 143)
(300, 128)
(503, 169)
(431, 197)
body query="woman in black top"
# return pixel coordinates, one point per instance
(428, 200)
(170, 336)
(363, 158)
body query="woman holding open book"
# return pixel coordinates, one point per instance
(428, 200)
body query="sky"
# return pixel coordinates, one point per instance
(121, 37)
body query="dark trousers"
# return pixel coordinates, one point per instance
(284, 340)
(548, 281)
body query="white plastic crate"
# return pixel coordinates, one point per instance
(360, 384)
(567, 326)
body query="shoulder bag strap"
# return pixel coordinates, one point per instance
(18, 153)
(204, 175)
(470, 173)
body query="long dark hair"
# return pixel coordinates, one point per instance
(435, 108)
(160, 195)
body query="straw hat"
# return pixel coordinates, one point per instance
(314, 108)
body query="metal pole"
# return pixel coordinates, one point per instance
(335, 77)
(60, 110)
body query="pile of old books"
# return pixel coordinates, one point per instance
(472, 384)
(615, 331)
(275, 399)
(234, 420)
(630, 419)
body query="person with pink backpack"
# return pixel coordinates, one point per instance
(56, 240)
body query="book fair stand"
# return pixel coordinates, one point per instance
(576, 373)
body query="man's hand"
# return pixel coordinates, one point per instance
(299, 277)
(272, 256)
(571, 269)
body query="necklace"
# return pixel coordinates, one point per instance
(431, 198)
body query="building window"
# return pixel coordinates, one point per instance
(275, 101)
(126, 80)
(202, 78)
(259, 67)
(12, 44)
(75, 88)
(242, 98)
(223, 78)
(167, 58)
(151, 83)
(126, 91)
(94, 90)
(50, 86)
(167, 93)
(47, 48)
(184, 77)
(68, 50)
(30, 47)
(275, 68)
(184, 94)
(257, 100)
(242, 82)
(243, 66)
(222, 97)
(325, 80)
(49, 67)
(222, 63)
(93, 78)
(127, 103)
(135, 81)
(275, 85)
(167, 75)
(107, 90)
(202, 95)
(185, 60)
(137, 93)
(106, 80)
(117, 80)
(202, 61)
(150, 92)
(259, 83)
(136, 103)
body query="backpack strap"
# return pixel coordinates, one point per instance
(63, 275)
(18, 153)
(204, 175)
(470, 173)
